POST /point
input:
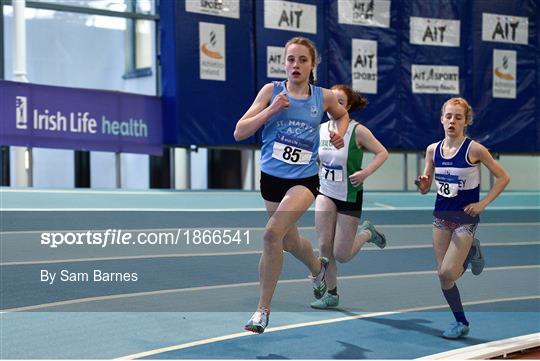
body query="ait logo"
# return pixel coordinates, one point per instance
(363, 10)
(208, 52)
(364, 60)
(21, 112)
(504, 73)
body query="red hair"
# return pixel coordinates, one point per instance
(355, 100)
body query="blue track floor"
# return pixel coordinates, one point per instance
(190, 294)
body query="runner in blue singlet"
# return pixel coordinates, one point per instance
(291, 112)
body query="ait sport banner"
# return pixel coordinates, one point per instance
(434, 39)
(207, 69)
(363, 52)
(505, 60)
(406, 57)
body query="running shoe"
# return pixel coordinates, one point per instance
(319, 282)
(327, 301)
(258, 322)
(456, 330)
(477, 260)
(377, 238)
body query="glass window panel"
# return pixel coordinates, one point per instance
(146, 6)
(140, 6)
(143, 54)
(80, 50)
(112, 5)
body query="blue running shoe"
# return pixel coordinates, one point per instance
(377, 238)
(456, 330)
(477, 260)
(258, 322)
(319, 282)
(327, 301)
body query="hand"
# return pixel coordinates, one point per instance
(279, 103)
(474, 209)
(336, 140)
(357, 178)
(423, 183)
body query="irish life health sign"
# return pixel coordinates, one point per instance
(56, 117)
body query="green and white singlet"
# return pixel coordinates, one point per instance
(338, 164)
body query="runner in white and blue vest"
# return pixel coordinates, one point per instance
(454, 163)
(338, 206)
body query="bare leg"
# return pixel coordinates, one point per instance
(451, 267)
(325, 223)
(302, 249)
(289, 210)
(451, 249)
(347, 243)
(441, 241)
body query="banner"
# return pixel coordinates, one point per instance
(56, 117)
(363, 49)
(504, 76)
(207, 70)
(406, 57)
(434, 59)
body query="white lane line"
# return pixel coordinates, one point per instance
(310, 228)
(167, 193)
(385, 206)
(483, 193)
(170, 192)
(262, 209)
(312, 323)
(167, 255)
(235, 285)
(132, 209)
(214, 254)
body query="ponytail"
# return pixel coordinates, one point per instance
(355, 100)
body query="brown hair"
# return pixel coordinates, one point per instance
(312, 51)
(462, 102)
(356, 100)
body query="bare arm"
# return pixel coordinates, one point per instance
(341, 116)
(366, 139)
(424, 181)
(479, 153)
(259, 112)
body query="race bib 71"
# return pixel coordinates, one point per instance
(333, 173)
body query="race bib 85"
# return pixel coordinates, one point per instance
(291, 150)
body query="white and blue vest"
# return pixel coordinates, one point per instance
(290, 139)
(458, 184)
